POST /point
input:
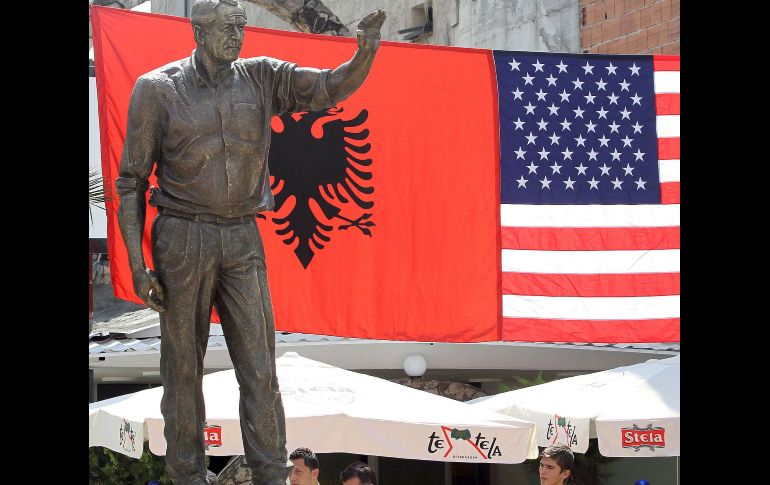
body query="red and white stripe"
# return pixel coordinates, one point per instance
(593, 273)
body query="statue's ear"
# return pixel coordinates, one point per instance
(198, 33)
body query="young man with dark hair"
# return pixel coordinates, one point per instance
(556, 464)
(305, 470)
(358, 473)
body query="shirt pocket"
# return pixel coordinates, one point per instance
(247, 121)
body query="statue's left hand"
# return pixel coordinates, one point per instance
(368, 33)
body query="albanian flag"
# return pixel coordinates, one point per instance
(386, 215)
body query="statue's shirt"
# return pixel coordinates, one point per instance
(210, 140)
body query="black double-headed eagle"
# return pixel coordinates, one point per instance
(319, 166)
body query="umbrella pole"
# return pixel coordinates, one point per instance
(374, 462)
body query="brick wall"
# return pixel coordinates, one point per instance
(629, 26)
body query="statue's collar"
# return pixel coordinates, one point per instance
(201, 76)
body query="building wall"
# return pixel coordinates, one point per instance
(532, 25)
(97, 219)
(529, 25)
(256, 16)
(629, 26)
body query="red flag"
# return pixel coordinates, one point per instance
(429, 268)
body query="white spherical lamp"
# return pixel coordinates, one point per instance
(415, 365)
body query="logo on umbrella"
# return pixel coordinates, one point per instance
(310, 393)
(637, 438)
(481, 444)
(127, 437)
(561, 423)
(212, 436)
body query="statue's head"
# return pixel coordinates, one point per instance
(218, 27)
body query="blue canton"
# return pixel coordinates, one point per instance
(577, 129)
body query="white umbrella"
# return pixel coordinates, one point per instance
(632, 410)
(328, 410)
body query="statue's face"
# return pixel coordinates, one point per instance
(223, 38)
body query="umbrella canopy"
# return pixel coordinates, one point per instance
(632, 410)
(328, 410)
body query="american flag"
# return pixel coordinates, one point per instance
(589, 196)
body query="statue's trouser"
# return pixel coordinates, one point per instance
(200, 264)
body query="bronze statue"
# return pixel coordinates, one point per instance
(203, 122)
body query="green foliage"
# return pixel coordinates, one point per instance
(96, 193)
(106, 467)
(522, 382)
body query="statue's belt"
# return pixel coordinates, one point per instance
(206, 217)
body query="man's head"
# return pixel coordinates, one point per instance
(556, 464)
(218, 27)
(305, 471)
(358, 473)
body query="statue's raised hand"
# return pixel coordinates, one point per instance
(368, 33)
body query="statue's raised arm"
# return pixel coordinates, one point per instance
(348, 77)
